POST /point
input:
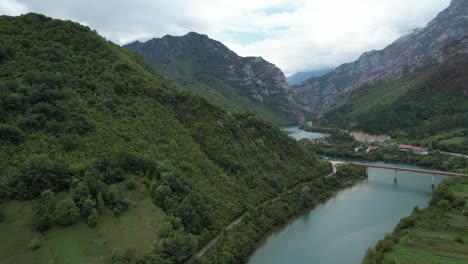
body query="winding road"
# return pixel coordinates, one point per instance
(239, 219)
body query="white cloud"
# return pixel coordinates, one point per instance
(11, 7)
(295, 35)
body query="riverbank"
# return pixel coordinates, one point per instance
(391, 154)
(438, 233)
(237, 244)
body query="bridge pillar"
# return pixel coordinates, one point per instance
(433, 182)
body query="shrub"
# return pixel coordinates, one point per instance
(384, 245)
(66, 213)
(441, 193)
(458, 202)
(87, 206)
(459, 239)
(405, 222)
(92, 218)
(116, 211)
(131, 184)
(444, 205)
(34, 244)
(43, 220)
(48, 200)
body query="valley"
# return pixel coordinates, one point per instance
(145, 144)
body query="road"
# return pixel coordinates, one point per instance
(241, 217)
(455, 154)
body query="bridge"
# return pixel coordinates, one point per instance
(396, 169)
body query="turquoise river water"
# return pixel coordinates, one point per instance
(341, 229)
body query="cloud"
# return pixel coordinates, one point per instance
(11, 7)
(295, 35)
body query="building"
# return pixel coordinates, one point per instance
(415, 149)
(371, 148)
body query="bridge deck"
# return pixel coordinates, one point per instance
(409, 169)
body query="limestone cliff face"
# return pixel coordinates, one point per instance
(209, 68)
(412, 52)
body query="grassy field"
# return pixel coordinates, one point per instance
(131, 233)
(433, 237)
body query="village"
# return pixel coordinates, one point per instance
(369, 143)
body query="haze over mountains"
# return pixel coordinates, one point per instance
(209, 68)
(299, 77)
(406, 55)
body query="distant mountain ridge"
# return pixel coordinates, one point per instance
(406, 55)
(209, 68)
(430, 106)
(300, 77)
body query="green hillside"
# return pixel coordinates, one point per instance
(102, 159)
(437, 234)
(208, 68)
(429, 107)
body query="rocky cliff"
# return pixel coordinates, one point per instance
(209, 68)
(412, 52)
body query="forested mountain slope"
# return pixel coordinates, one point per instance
(207, 67)
(407, 55)
(86, 128)
(430, 105)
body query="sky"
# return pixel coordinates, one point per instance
(300, 35)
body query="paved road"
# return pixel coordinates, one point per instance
(240, 218)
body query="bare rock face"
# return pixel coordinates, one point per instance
(412, 52)
(195, 60)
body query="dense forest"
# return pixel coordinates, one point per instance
(86, 128)
(236, 245)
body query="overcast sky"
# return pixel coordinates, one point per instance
(295, 35)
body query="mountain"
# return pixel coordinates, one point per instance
(102, 160)
(300, 77)
(209, 68)
(406, 55)
(429, 106)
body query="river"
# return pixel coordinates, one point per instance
(341, 229)
(297, 133)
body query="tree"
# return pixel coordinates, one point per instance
(87, 206)
(48, 200)
(11, 134)
(44, 211)
(99, 201)
(43, 220)
(39, 173)
(160, 194)
(92, 218)
(66, 213)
